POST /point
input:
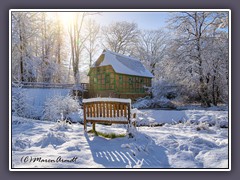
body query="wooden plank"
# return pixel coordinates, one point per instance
(107, 101)
(101, 112)
(125, 110)
(117, 109)
(111, 109)
(86, 107)
(121, 110)
(107, 121)
(90, 110)
(94, 110)
(106, 105)
(97, 110)
(103, 109)
(114, 109)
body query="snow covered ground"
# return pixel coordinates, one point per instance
(45, 144)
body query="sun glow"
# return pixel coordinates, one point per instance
(66, 18)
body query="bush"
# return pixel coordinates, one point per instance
(147, 103)
(59, 105)
(20, 105)
(165, 89)
(163, 93)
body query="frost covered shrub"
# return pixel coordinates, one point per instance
(57, 105)
(163, 93)
(156, 102)
(202, 126)
(164, 89)
(20, 105)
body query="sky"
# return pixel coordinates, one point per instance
(145, 20)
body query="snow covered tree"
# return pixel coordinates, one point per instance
(23, 30)
(120, 37)
(192, 30)
(37, 47)
(77, 43)
(92, 43)
(152, 48)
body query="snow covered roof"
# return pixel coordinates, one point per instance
(107, 100)
(123, 64)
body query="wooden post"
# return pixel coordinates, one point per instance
(129, 113)
(129, 117)
(134, 117)
(85, 120)
(93, 127)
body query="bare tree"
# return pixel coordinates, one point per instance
(92, 43)
(120, 37)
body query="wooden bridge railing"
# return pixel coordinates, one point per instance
(48, 85)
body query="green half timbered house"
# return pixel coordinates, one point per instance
(119, 76)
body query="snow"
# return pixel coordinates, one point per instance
(47, 144)
(151, 117)
(124, 65)
(106, 100)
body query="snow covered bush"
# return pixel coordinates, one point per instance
(20, 105)
(164, 89)
(53, 139)
(20, 144)
(202, 126)
(156, 102)
(132, 131)
(163, 94)
(58, 104)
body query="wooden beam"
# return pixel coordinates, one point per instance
(107, 121)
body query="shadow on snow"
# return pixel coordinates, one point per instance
(128, 153)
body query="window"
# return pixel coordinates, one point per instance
(95, 80)
(107, 78)
(120, 79)
(130, 81)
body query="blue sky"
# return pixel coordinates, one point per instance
(145, 20)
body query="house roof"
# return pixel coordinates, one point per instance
(122, 64)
